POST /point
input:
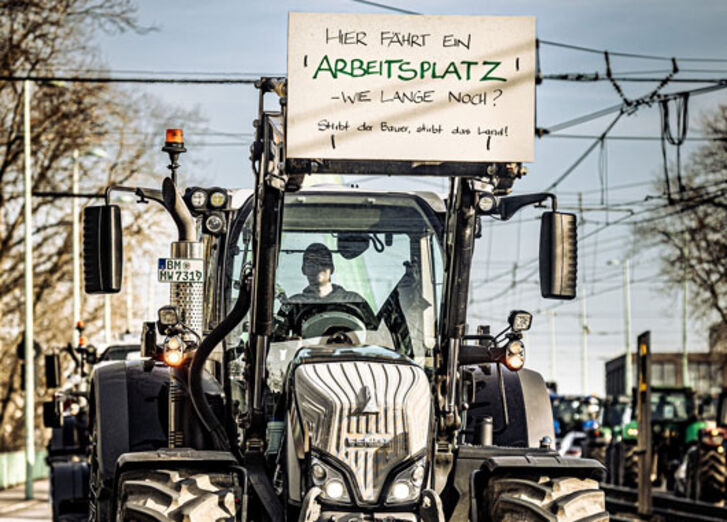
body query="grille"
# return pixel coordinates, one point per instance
(369, 415)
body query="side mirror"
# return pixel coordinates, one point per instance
(91, 355)
(102, 249)
(558, 255)
(148, 339)
(52, 370)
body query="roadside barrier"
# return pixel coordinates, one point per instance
(12, 468)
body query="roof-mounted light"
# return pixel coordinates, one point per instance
(174, 139)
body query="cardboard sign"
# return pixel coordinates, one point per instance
(419, 88)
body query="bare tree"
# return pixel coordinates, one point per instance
(43, 37)
(691, 231)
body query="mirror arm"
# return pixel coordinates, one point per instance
(169, 199)
(143, 193)
(470, 354)
(508, 207)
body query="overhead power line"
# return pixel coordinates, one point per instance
(87, 70)
(117, 79)
(387, 7)
(619, 107)
(597, 77)
(585, 154)
(631, 55)
(630, 138)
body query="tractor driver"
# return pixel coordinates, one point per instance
(318, 269)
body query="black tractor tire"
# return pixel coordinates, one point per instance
(99, 495)
(597, 452)
(712, 475)
(562, 499)
(630, 477)
(72, 517)
(177, 495)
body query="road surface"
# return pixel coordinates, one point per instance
(14, 507)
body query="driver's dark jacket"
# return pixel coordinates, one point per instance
(310, 295)
(337, 295)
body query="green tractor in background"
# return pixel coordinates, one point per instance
(598, 442)
(675, 427)
(704, 469)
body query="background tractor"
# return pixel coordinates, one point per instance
(705, 466)
(66, 414)
(673, 418)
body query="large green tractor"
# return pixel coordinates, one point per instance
(674, 426)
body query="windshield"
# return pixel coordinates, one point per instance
(353, 270)
(570, 412)
(671, 405)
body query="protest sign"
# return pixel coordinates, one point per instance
(418, 88)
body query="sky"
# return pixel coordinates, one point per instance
(226, 38)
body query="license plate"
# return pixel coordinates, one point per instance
(176, 270)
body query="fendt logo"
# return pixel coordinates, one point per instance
(365, 402)
(368, 441)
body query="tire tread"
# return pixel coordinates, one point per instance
(536, 499)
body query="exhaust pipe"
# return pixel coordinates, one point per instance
(187, 297)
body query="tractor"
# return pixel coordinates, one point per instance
(673, 418)
(705, 466)
(314, 363)
(66, 414)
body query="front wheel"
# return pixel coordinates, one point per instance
(178, 495)
(561, 499)
(630, 458)
(99, 495)
(712, 468)
(596, 451)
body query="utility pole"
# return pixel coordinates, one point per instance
(107, 318)
(685, 359)
(584, 341)
(76, 240)
(150, 297)
(29, 340)
(553, 376)
(129, 296)
(627, 323)
(76, 251)
(584, 315)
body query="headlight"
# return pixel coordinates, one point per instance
(520, 320)
(168, 316)
(515, 355)
(214, 223)
(329, 480)
(334, 489)
(198, 199)
(173, 351)
(407, 485)
(218, 198)
(487, 202)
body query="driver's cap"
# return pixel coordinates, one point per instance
(317, 254)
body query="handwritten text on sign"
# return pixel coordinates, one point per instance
(419, 88)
